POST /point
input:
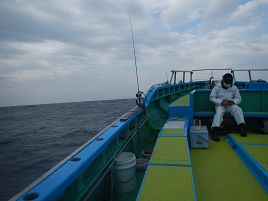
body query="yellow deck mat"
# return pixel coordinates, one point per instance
(260, 154)
(221, 176)
(252, 138)
(167, 183)
(182, 101)
(171, 150)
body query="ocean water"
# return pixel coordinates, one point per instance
(35, 138)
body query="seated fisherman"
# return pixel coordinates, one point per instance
(226, 97)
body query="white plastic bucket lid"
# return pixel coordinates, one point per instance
(125, 160)
(125, 157)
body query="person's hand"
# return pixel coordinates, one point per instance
(225, 103)
(230, 102)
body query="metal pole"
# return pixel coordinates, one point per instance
(191, 76)
(233, 74)
(183, 77)
(175, 77)
(171, 77)
(249, 73)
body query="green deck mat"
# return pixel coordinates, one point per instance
(167, 183)
(252, 138)
(171, 150)
(221, 176)
(167, 131)
(260, 153)
(182, 101)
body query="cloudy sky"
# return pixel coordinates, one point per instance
(62, 51)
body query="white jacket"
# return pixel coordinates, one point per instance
(218, 94)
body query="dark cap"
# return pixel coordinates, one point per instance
(228, 78)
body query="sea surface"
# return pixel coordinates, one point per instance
(35, 138)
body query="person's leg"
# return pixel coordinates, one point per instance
(237, 113)
(217, 120)
(218, 117)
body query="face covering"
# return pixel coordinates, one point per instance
(226, 85)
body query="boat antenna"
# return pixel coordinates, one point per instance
(139, 94)
(134, 52)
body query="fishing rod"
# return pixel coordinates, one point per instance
(139, 94)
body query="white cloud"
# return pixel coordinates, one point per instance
(246, 10)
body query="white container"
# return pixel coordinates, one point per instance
(199, 137)
(128, 186)
(125, 171)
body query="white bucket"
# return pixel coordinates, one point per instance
(125, 171)
(128, 186)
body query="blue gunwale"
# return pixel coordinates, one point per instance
(53, 184)
(155, 88)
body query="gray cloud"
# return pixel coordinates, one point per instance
(58, 51)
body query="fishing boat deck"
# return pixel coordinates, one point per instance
(233, 169)
(257, 147)
(220, 175)
(210, 174)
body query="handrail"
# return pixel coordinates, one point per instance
(173, 78)
(249, 72)
(174, 73)
(205, 69)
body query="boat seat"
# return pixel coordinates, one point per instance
(174, 128)
(171, 151)
(254, 103)
(171, 147)
(246, 114)
(169, 173)
(170, 183)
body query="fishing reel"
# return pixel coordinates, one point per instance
(140, 98)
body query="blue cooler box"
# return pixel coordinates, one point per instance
(199, 138)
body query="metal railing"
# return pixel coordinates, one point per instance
(174, 73)
(249, 72)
